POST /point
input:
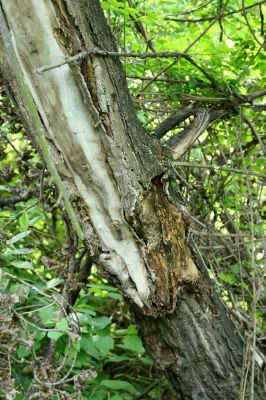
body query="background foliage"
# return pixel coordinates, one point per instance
(60, 322)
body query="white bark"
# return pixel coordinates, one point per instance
(71, 131)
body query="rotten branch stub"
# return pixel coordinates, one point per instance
(181, 115)
(181, 142)
(174, 119)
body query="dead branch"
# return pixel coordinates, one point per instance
(180, 143)
(221, 15)
(183, 113)
(218, 168)
(98, 52)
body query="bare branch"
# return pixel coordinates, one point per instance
(98, 52)
(253, 130)
(194, 9)
(173, 120)
(255, 95)
(206, 99)
(187, 48)
(180, 143)
(248, 24)
(8, 201)
(149, 78)
(180, 115)
(142, 31)
(218, 168)
(221, 15)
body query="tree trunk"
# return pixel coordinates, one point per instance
(113, 178)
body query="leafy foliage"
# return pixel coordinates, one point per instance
(86, 337)
(222, 177)
(64, 324)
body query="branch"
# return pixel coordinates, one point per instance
(205, 99)
(194, 9)
(255, 95)
(186, 49)
(98, 52)
(146, 391)
(149, 78)
(217, 168)
(181, 142)
(141, 29)
(253, 130)
(248, 24)
(180, 115)
(171, 122)
(7, 201)
(222, 15)
(35, 117)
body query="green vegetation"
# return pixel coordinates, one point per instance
(51, 297)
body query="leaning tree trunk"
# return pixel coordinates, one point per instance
(113, 178)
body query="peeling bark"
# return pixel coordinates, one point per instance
(114, 176)
(100, 149)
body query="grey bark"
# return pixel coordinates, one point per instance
(115, 180)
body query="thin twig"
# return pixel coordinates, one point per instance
(248, 24)
(8, 201)
(10, 220)
(146, 391)
(225, 234)
(98, 52)
(253, 129)
(9, 141)
(186, 50)
(222, 15)
(195, 9)
(216, 168)
(148, 78)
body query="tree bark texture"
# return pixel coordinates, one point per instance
(115, 179)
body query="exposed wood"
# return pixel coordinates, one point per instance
(114, 174)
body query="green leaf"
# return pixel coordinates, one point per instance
(99, 323)
(133, 343)
(119, 385)
(22, 264)
(117, 397)
(132, 330)
(4, 188)
(54, 282)
(121, 332)
(118, 359)
(18, 237)
(104, 344)
(62, 326)
(23, 352)
(229, 278)
(54, 335)
(87, 344)
(47, 314)
(18, 252)
(34, 220)
(24, 221)
(235, 269)
(115, 296)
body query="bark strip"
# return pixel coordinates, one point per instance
(114, 176)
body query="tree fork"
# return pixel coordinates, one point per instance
(114, 178)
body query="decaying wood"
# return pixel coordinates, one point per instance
(101, 152)
(114, 174)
